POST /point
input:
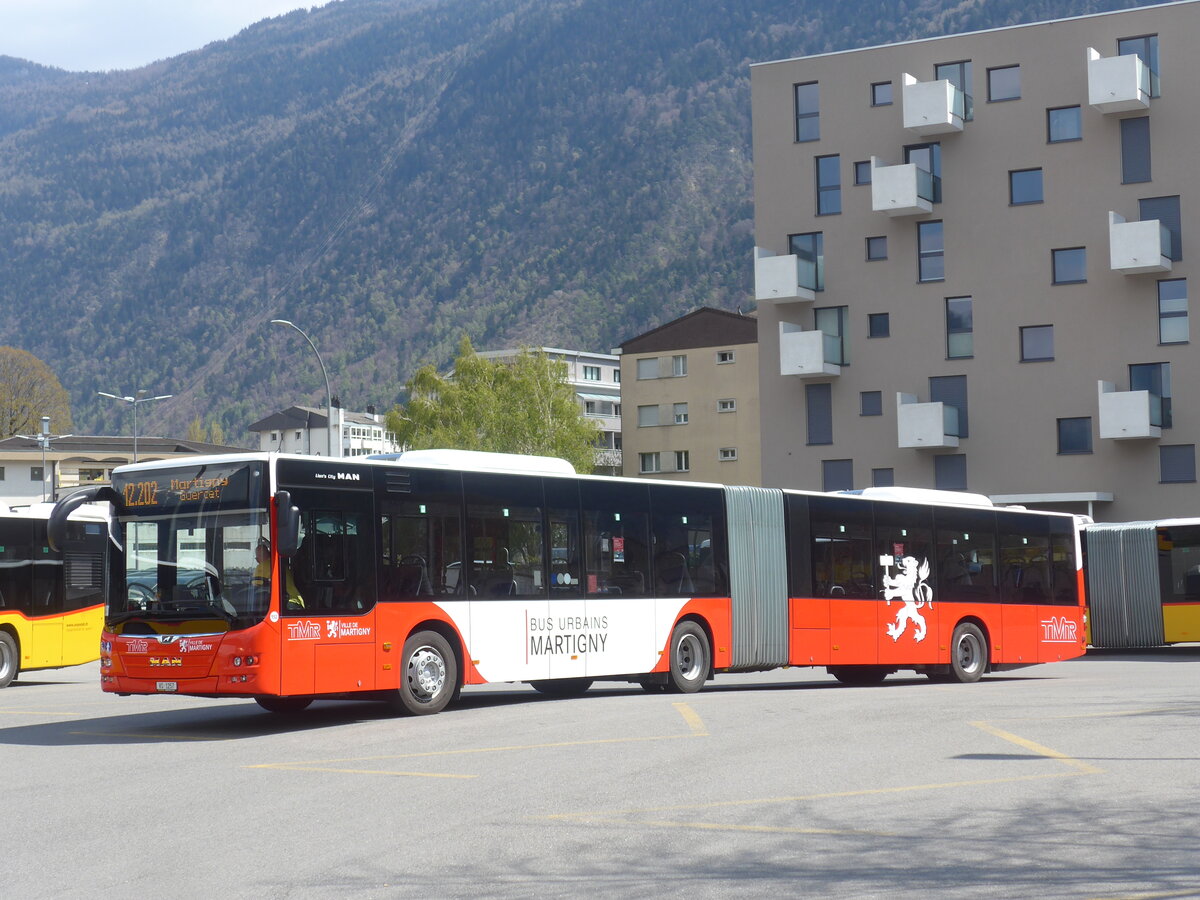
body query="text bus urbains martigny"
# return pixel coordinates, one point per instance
(285, 579)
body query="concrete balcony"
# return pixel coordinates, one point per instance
(932, 107)
(925, 426)
(1135, 248)
(1128, 415)
(783, 279)
(1117, 84)
(808, 354)
(905, 190)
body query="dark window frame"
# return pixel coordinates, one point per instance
(803, 116)
(874, 257)
(1032, 328)
(875, 101)
(829, 193)
(1012, 187)
(1173, 313)
(1054, 265)
(1069, 430)
(991, 97)
(1078, 135)
(939, 253)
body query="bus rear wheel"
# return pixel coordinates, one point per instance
(430, 677)
(690, 659)
(968, 653)
(10, 662)
(562, 687)
(859, 674)
(284, 704)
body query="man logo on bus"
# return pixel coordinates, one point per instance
(910, 586)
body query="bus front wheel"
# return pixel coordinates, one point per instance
(968, 653)
(690, 658)
(430, 677)
(10, 662)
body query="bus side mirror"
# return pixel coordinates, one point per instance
(56, 527)
(287, 524)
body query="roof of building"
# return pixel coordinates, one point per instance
(308, 417)
(98, 445)
(703, 327)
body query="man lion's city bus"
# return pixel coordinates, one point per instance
(51, 601)
(285, 579)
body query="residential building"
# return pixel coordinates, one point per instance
(27, 474)
(596, 378)
(691, 387)
(973, 264)
(304, 429)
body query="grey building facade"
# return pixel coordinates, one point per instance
(973, 263)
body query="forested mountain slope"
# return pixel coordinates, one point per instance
(391, 174)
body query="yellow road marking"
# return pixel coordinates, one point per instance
(1084, 768)
(295, 768)
(692, 718)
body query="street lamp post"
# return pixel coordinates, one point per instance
(138, 397)
(43, 439)
(325, 375)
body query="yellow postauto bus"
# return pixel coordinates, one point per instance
(51, 601)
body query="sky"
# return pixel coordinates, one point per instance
(99, 35)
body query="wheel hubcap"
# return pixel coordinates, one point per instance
(687, 655)
(426, 673)
(968, 653)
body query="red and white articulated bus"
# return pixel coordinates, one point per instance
(286, 579)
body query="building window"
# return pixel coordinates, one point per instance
(591, 373)
(1177, 463)
(1155, 378)
(727, 454)
(1004, 83)
(808, 112)
(928, 158)
(37, 473)
(959, 75)
(680, 413)
(679, 365)
(1146, 49)
(870, 403)
(829, 185)
(876, 248)
(810, 251)
(1024, 186)
(725, 357)
(1, 473)
(862, 172)
(1135, 150)
(818, 407)
(647, 416)
(952, 391)
(883, 477)
(1172, 311)
(1075, 435)
(837, 474)
(648, 463)
(1166, 211)
(682, 461)
(879, 325)
(589, 407)
(1070, 265)
(1063, 124)
(950, 472)
(727, 405)
(832, 321)
(931, 252)
(881, 93)
(1037, 343)
(960, 337)
(298, 433)
(647, 368)
(617, 375)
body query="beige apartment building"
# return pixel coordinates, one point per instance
(973, 261)
(690, 391)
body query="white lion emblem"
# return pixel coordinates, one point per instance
(909, 586)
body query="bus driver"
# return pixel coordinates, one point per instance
(262, 575)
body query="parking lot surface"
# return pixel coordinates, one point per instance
(1077, 780)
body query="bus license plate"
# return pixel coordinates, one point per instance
(167, 685)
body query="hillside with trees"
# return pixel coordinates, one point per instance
(393, 175)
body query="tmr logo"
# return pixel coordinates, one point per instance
(304, 631)
(1057, 630)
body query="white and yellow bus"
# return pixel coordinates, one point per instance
(51, 602)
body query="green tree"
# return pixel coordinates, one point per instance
(195, 430)
(216, 434)
(28, 391)
(520, 406)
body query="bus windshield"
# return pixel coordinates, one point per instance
(190, 537)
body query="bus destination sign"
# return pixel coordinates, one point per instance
(173, 488)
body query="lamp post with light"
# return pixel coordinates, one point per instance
(139, 397)
(324, 374)
(43, 440)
